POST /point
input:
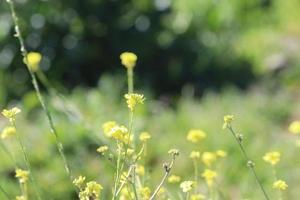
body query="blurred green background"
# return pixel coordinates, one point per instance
(201, 59)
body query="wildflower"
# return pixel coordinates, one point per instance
(174, 179)
(187, 186)
(126, 194)
(195, 155)
(8, 132)
(107, 126)
(11, 114)
(209, 176)
(129, 152)
(118, 132)
(133, 99)
(227, 121)
(128, 59)
(102, 149)
(195, 135)
(208, 158)
(79, 182)
(140, 170)
(272, 157)
(33, 61)
(20, 198)
(280, 185)
(294, 127)
(91, 191)
(197, 197)
(144, 136)
(22, 175)
(221, 153)
(145, 193)
(174, 152)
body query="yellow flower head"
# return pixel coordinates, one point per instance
(145, 193)
(294, 127)
(107, 126)
(102, 149)
(144, 136)
(187, 186)
(118, 132)
(91, 191)
(11, 114)
(280, 185)
(195, 135)
(22, 175)
(128, 59)
(20, 198)
(221, 153)
(79, 182)
(208, 158)
(33, 59)
(227, 121)
(140, 170)
(197, 197)
(174, 179)
(272, 157)
(134, 99)
(8, 132)
(195, 155)
(209, 176)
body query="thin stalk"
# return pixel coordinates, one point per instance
(133, 184)
(117, 173)
(130, 80)
(5, 193)
(24, 53)
(251, 166)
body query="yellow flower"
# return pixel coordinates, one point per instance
(195, 155)
(272, 157)
(145, 193)
(208, 158)
(280, 185)
(102, 149)
(107, 126)
(22, 175)
(174, 179)
(118, 132)
(8, 132)
(227, 121)
(294, 127)
(33, 59)
(197, 197)
(128, 59)
(20, 198)
(79, 182)
(221, 153)
(140, 170)
(133, 99)
(209, 176)
(195, 135)
(91, 191)
(11, 114)
(187, 186)
(144, 136)
(126, 194)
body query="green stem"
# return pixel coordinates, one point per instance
(5, 193)
(117, 173)
(251, 166)
(130, 80)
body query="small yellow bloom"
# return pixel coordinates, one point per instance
(79, 182)
(33, 59)
(102, 149)
(145, 193)
(174, 152)
(208, 158)
(22, 175)
(8, 132)
(195, 135)
(197, 197)
(187, 186)
(280, 185)
(91, 191)
(294, 127)
(140, 170)
(134, 99)
(11, 114)
(209, 176)
(20, 198)
(195, 155)
(174, 179)
(128, 59)
(272, 157)
(107, 126)
(227, 121)
(126, 194)
(221, 153)
(118, 132)
(144, 136)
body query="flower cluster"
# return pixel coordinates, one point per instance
(11, 113)
(133, 100)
